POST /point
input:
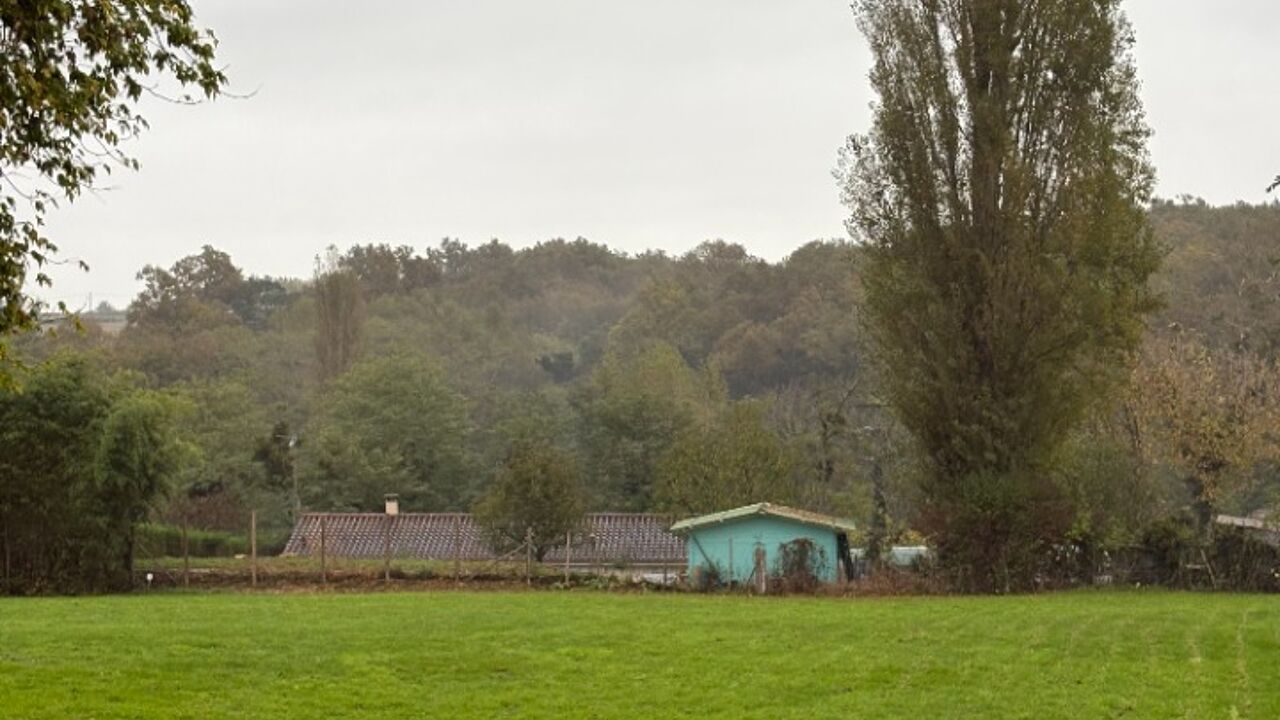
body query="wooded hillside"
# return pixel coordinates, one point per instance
(674, 382)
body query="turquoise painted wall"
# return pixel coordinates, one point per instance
(711, 544)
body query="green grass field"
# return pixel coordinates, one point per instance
(597, 655)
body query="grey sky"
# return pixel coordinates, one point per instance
(653, 124)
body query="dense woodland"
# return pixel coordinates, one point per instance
(670, 383)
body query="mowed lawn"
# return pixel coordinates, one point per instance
(597, 655)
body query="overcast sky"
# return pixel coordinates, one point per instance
(655, 124)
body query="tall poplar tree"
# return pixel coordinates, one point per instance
(340, 316)
(1000, 195)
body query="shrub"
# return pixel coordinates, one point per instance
(1243, 562)
(1168, 545)
(1237, 559)
(161, 540)
(800, 566)
(707, 576)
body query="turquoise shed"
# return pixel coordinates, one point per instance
(732, 546)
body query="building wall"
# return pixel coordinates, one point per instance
(715, 544)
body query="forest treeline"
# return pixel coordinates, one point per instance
(672, 383)
(1025, 359)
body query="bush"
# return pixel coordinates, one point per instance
(1167, 547)
(997, 532)
(1243, 562)
(800, 566)
(155, 540)
(1238, 560)
(707, 577)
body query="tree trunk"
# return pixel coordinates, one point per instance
(8, 560)
(1201, 508)
(879, 517)
(129, 542)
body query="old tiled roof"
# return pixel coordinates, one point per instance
(606, 538)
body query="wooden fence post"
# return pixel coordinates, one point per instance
(762, 581)
(386, 547)
(186, 555)
(8, 579)
(568, 548)
(457, 548)
(324, 570)
(730, 578)
(253, 548)
(528, 556)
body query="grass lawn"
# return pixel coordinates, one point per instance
(596, 655)
(408, 567)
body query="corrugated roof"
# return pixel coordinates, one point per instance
(606, 538)
(1252, 523)
(782, 511)
(1266, 530)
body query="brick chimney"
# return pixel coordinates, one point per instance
(393, 503)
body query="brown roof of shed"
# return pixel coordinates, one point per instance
(608, 538)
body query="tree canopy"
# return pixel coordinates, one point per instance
(734, 460)
(391, 424)
(496, 346)
(84, 458)
(1000, 193)
(536, 496)
(73, 74)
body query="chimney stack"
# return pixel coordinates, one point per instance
(393, 503)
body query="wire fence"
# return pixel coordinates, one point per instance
(364, 550)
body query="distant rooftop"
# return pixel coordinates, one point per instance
(111, 323)
(605, 538)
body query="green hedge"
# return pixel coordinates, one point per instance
(160, 540)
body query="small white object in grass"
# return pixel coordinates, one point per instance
(150, 577)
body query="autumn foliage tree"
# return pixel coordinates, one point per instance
(1209, 415)
(1000, 194)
